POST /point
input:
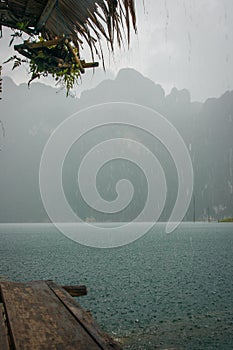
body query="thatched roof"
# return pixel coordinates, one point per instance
(82, 20)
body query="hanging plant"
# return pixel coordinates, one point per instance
(58, 58)
(65, 25)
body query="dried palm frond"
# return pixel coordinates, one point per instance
(87, 20)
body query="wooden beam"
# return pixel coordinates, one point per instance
(38, 45)
(22, 52)
(84, 318)
(90, 64)
(45, 14)
(77, 60)
(76, 291)
(84, 65)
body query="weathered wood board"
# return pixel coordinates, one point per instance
(42, 315)
(4, 344)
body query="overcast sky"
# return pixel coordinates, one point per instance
(182, 43)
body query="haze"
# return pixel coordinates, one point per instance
(182, 43)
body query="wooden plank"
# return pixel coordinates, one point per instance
(45, 14)
(76, 291)
(38, 320)
(3, 278)
(85, 319)
(4, 345)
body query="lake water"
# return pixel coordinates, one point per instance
(164, 290)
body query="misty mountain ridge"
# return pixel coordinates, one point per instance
(30, 115)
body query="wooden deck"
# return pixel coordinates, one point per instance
(42, 315)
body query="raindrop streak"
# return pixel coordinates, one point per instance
(185, 9)
(167, 21)
(188, 35)
(190, 47)
(231, 162)
(3, 131)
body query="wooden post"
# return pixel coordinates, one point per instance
(70, 47)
